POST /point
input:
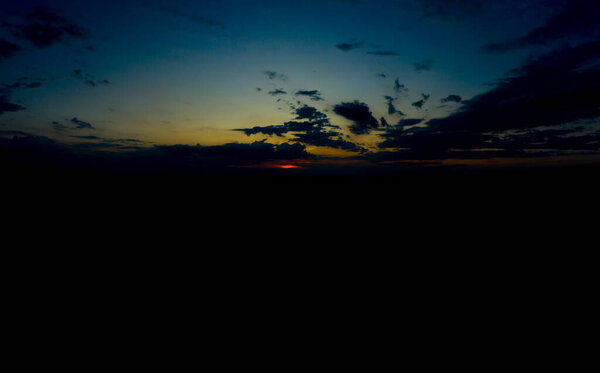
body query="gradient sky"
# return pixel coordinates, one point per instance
(487, 80)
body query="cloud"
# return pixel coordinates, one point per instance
(235, 153)
(556, 88)
(383, 53)
(314, 95)
(58, 126)
(7, 90)
(45, 29)
(318, 137)
(316, 131)
(88, 79)
(360, 114)
(22, 83)
(451, 98)
(409, 122)
(391, 108)
(316, 121)
(277, 92)
(8, 49)
(7, 106)
(578, 18)
(24, 151)
(399, 88)
(347, 47)
(548, 106)
(273, 75)
(419, 104)
(81, 124)
(423, 65)
(310, 113)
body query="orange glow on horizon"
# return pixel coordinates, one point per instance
(280, 166)
(286, 166)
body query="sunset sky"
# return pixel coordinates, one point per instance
(300, 83)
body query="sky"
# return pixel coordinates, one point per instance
(229, 84)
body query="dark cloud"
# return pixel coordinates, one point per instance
(399, 88)
(277, 92)
(81, 124)
(236, 153)
(423, 65)
(360, 114)
(316, 121)
(14, 133)
(45, 29)
(419, 104)
(450, 9)
(578, 18)
(58, 126)
(106, 143)
(273, 75)
(547, 107)
(24, 151)
(316, 131)
(452, 98)
(347, 47)
(331, 139)
(383, 53)
(88, 137)
(8, 49)
(7, 106)
(556, 88)
(409, 122)
(391, 108)
(381, 75)
(22, 83)
(89, 79)
(310, 113)
(273, 130)
(314, 95)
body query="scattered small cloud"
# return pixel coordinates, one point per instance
(45, 29)
(89, 79)
(58, 126)
(451, 98)
(347, 47)
(391, 108)
(419, 104)
(383, 53)
(273, 75)
(314, 94)
(399, 88)
(423, 65)
(277, 92)
(81, 124)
